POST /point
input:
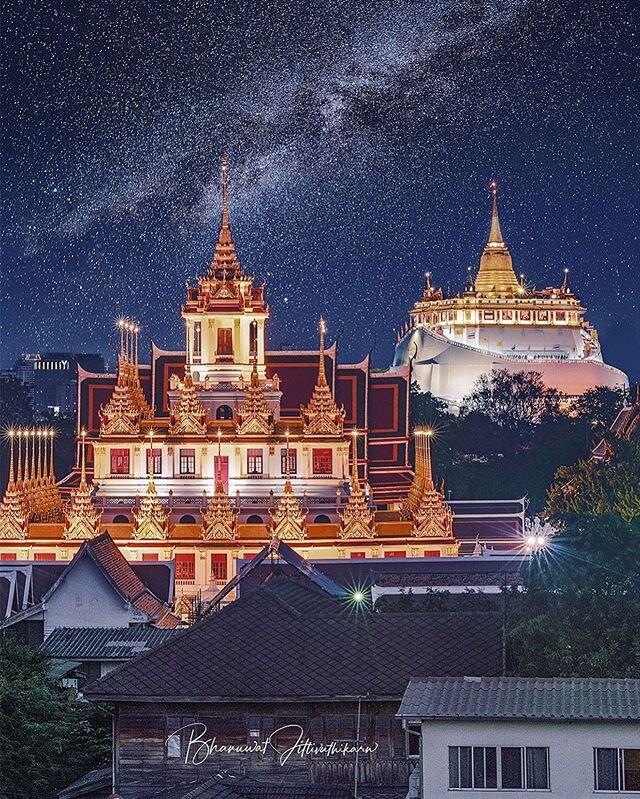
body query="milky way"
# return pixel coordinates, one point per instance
(361, 136)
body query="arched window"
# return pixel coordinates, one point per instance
(322, 518)
(255, 519)
(224, 412)
(120, 519)
(187, 519)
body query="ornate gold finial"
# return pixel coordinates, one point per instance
(225, 264)
(219, 520)
(151, 521)
(189, 417)
(356, 520)
(432, 518)
(83, 520)
(13, 518)
(495, 234)
(128, 404)
(288, 517)
(566, 288)
(322, 417)
(254, 416)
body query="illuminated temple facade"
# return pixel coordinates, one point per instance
(498, 322)
(204, 455)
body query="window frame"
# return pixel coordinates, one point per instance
(498, 766)
(123, 454)
(619, 773)
(255, 454)
(187, 462)
(157, 460)
(293, 460)
(322, 461)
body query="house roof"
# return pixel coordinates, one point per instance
(290, 640)
(104, 643)
(523, 698)
(244, 788)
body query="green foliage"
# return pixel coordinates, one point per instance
(48, 738)
(511, 435)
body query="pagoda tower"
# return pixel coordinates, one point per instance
(219, 519)
(189, 416)
(13, 518)
(357, 519)
(322, 417)
(83, 520)
(151, 520)
(127, 405)
(496, 276)
(254, 416)
(288, 517)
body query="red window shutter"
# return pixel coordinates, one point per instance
(187, 461)
(254, 461)
(147, 556)
(218, 565)
(45, 556)
(157, 461)
(186, 566)
(358, 555)
(431, 553)
(322, 461)
(399, 553)
(223, 461)
(8, 556)
(120, 461)
(225, 341)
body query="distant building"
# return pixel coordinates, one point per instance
(53, 378)
(546, 736)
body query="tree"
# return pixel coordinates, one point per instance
(599, 406)
(48, 738)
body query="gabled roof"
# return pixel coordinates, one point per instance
(104, 643)
(291, 640)
(522, 698)
(244, 788)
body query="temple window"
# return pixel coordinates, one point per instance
(293, 460)
(218, 565)
(225, 341)
(254, 461)
(543, 316)
(8, 556)
(157, 461)
(561, 316)
(395, 553)
(186, 566)
(149, 557)
(197, 339)
(187, 461)
(489, 316)
(222, 462)
(358, 555)
(44, 556)
(432, 553)
(322, 461)
(120, 461)
(224, 412)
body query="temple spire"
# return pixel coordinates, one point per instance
(322, 377)
(495, 234)
(224, 236)
(357, 519)
(322, 416)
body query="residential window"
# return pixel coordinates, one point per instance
(616, 769)
(413, 734)
(322, 461)
(157, 461)
(186, 566)
(506, 767)
(218, 566)
(293, 460)
(254, 461)
(187, 461)
(120, 461)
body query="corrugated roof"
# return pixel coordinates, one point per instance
(284, 640)
(526, 698)
(89, 643)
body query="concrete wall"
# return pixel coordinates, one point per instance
(87, 599)
(570, 745)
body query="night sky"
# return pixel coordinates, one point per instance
(362, 137)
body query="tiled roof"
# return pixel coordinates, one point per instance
(245, 789)
(89, 643)
(532, 698)
(283, 641)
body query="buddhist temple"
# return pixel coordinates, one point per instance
(500, 322)
(207, 453)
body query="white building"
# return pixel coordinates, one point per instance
(534, 737)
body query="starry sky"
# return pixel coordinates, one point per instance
(362, 137)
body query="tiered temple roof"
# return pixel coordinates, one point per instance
(83, 520)
(254, 416)
(322, 417)
(288, 517)
(357, 520)
(219, 520)
(189, 417)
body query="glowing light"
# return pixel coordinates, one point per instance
(358, 596)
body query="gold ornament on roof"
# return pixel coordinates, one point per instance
(219, 519)
(254, 416)
(288, 517)
(432, 517)
(357, 519)
(496, 275)
(189, 417)
(151, 521)
(322, 417)
(128, 404)
(83, 520)
(13, 516)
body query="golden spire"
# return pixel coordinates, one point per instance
(83, 520)
(432, 517)
(322, 417)
(288, 517)
(566, 287)
(254, 416)
(219, 519)
(496, 276)
(357, 519)
(151, 521)
(13, 518)
(225, 261)
(414, 494)
(189, 417)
